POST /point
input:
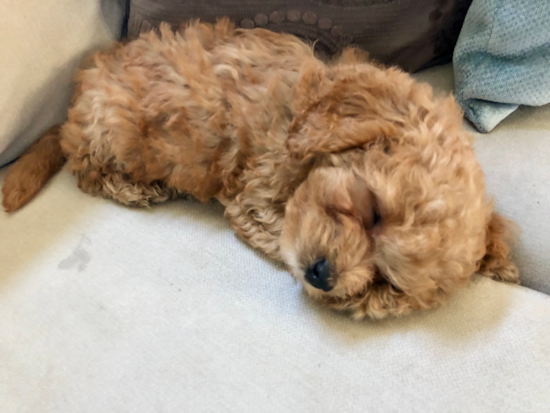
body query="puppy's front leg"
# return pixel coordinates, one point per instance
(497, 263)
(260, 227)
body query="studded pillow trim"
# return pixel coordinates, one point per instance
(413, 34)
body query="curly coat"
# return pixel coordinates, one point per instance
(348, 161)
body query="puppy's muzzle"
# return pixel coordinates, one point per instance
(318, 274)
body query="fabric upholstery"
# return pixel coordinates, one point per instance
(105, 308)
(42, 44)
(109, 309)
(502, 58)
(409, 33)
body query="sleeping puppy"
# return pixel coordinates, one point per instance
(354, 175)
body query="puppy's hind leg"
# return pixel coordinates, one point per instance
(121, 188)
(260, 227)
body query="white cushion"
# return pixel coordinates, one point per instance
(104, 308)
(109, 309)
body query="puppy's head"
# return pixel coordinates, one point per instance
(394, 201)
(329, 233)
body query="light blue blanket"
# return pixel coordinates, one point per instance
(502, 59)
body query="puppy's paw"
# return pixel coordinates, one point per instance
(15, 194)
(508, 273)
(497, 262)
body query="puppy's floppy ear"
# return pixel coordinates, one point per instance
(497, 263)
(333, 117)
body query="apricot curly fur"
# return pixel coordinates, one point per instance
(348, 161)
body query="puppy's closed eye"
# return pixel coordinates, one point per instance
(365, 204)
(336, 213)
(368, 220)
(376, 219)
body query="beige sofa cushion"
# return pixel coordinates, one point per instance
(41, 44)
(109, 309)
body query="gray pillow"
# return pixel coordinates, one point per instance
(502, 59)
(413, 34)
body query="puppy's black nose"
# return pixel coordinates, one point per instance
(318, 275)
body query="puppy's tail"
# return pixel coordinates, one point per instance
(31, 172)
